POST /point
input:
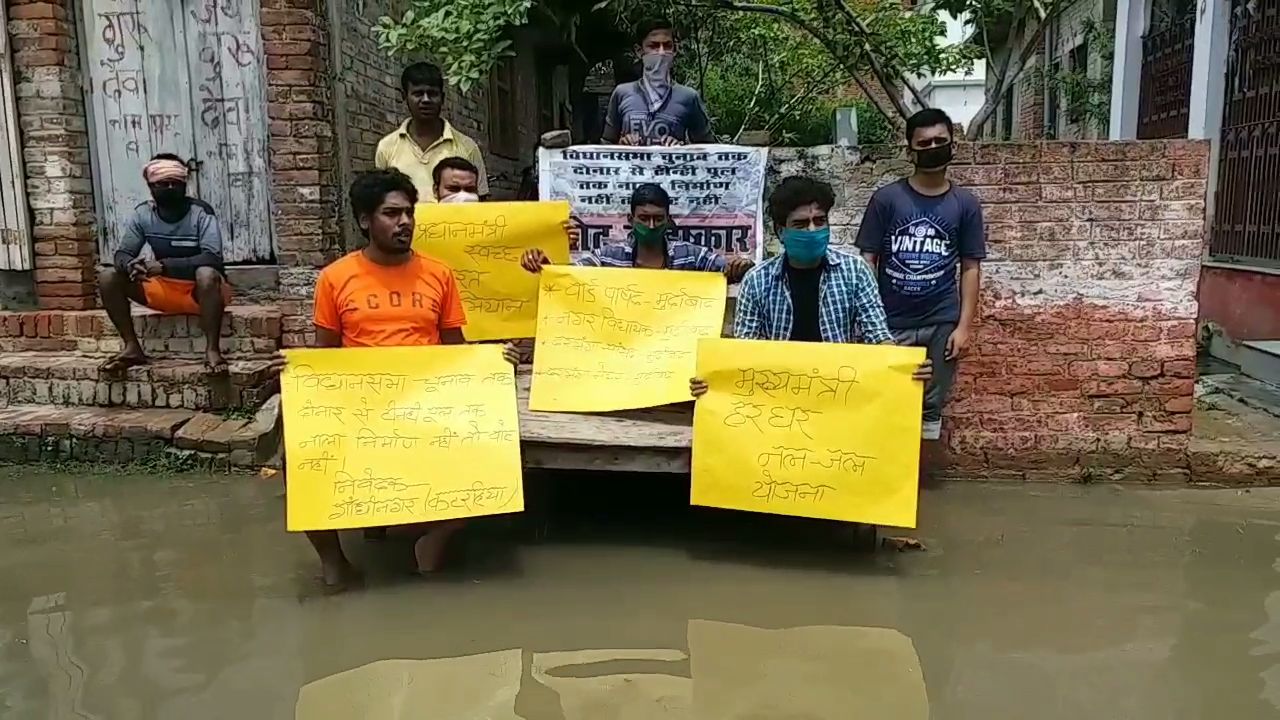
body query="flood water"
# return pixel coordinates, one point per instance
(145, 597)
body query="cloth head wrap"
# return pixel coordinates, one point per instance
(162, 170)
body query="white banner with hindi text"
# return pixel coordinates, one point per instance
(716, 191)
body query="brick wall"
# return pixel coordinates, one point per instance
(1083, 364)
(304, 176)
(55, 141)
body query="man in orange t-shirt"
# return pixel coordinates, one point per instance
(386, 295)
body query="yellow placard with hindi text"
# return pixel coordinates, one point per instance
(396, 435)
(482, 243)
(617, 338)
(820, 430)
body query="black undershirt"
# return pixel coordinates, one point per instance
(804, 283)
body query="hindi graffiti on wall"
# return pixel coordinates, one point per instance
(715, 190)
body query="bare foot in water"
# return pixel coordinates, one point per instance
(339, 576)
(903, 543)
(429, 549)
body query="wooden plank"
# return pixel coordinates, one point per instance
(568, 457)
(667, 428)
(230, 110)
(15, 230)
(140, 99)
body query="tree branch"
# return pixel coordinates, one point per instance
(836, 52)
(876, 67)
(1009, 74)
(751, 107)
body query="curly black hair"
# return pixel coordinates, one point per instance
(370, 189)
(797, 191)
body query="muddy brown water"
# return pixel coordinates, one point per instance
(145, 597)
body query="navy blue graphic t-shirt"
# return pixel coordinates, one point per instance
(920, 240)
(681, 116)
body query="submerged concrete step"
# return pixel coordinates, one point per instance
(42, 378)
(247, 331)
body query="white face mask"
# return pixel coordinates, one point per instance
(461, 197)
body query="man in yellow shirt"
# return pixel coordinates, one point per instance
(426, 137)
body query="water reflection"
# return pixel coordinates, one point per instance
(141, 599)
(730, 671)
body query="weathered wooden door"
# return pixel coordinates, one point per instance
(183, 77)
(15, 229)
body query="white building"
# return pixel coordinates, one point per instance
(959, 94)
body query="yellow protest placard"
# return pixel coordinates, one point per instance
(615, 338)
(388, 436)
(821, 430)
(482, 243)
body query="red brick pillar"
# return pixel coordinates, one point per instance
(304, 180)
(55, 142)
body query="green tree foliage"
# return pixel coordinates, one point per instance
(876, 39)
(466, 37)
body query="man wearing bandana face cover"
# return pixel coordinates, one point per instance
(924, 236)
(185, 275)
(656, 110)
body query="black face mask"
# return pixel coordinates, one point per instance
(934, 158)
(170, 197)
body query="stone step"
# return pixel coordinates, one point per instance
(247, 331)
(42, 378)
(1260, 360)
(34, 433)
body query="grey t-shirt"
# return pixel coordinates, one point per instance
(919, 240)
(181, 247)
(682, 116)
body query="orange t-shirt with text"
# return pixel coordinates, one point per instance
(374, 305)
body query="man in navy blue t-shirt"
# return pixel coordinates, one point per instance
(924, 237)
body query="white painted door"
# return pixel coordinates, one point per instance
(15, 230)
(184, 77)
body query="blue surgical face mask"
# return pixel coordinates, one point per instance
(806, 247)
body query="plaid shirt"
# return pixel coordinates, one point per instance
(680, 256)
(849, 306)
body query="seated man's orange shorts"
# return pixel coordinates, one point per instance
(172, 296)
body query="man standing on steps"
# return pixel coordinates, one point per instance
(426, 137)
(386, 295)
(917, 233)
(656, 110)
(185, 276)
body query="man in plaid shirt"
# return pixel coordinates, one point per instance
(810, 293)
(647, 245)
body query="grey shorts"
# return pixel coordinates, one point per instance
(933, 338)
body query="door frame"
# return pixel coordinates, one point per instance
(20, 255)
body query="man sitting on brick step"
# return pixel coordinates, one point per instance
(185, 276)
(352, 309)
(426, 138)
(917, 233)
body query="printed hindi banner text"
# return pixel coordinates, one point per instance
(716, 191)
(388, 436)
(614, 339)
(482, 243)
(820, 430)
